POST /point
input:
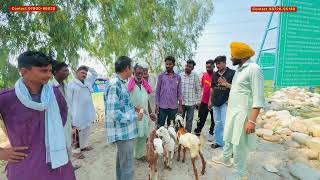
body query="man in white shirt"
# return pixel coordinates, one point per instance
(81, 108)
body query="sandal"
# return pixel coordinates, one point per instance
(77, 166)
(78, 156)
(89, 148)
(214, 146)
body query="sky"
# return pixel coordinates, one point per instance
(232, 20)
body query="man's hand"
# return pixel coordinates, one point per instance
(75, 130)
(140, 115)
(197, 106)
(12, 155)
(223, 82)
(210, 105)
(137, 109)
(250, 127)
(153, 117)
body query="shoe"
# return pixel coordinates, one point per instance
(89, 148)
(76, 166)
(220, 160)
(215, 145)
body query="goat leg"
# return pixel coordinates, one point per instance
(156, 174)
(179, 149)
(195, 168)
(150, 173)
(166, 160)
(156, 171)
(203, 163)
(170, 160)
(184, 154)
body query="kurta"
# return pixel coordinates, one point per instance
(139, 98)
(82, 111)
(26, 127)
(81, 108)
(247, 92)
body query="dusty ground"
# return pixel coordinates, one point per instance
(99, 163)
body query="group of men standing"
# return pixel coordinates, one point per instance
(81, 111)
(39, 116)
(234, 98)
(183, 93)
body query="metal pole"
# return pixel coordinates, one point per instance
(276, 63)
(265, 34)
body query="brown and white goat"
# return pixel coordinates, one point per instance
(193, 143)
(154, 150)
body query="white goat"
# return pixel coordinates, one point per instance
(168, 144)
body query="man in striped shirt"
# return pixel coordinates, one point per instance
(191, 93)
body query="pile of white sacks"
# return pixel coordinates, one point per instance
(295, 97)
(300, 136)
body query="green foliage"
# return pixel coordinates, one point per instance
(147, 29)
(8, 72)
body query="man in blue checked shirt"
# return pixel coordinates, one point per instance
(121, 118)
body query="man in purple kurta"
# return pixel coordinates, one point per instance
(168, 93)
(26, 126)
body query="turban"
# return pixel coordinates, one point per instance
(241, 50)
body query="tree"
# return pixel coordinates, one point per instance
(151, 30)
(8, 72)
(148, 30)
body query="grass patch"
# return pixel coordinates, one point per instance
(268, 88)
(98, 100)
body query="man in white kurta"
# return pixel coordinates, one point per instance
(82, 111)
(245, 101)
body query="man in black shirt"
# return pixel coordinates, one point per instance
(220, 89)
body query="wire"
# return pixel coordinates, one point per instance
(230, 12)
(214, 33)
(238, 22)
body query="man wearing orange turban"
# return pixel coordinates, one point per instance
(244, 104)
